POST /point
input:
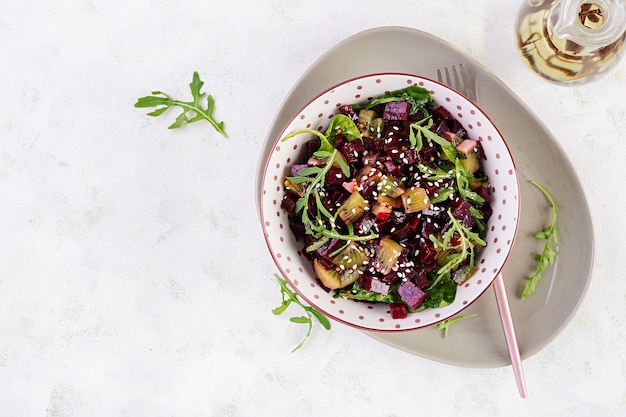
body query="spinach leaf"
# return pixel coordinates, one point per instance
(342, 124)
(441, 294)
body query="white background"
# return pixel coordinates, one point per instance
(134, 279)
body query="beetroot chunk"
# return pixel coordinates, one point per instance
(411, 295)
(374, 285)
(397, 310)
(397, 110)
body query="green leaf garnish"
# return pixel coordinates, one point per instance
(289, 297)
(445, 325)
(192, 110)
(321, 224)
(418, 97)
(342, 124)
(548, 254)
(455, 170)
(466, 241)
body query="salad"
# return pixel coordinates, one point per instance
(390, 202)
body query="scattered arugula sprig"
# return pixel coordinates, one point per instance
(289, 297)
(548, 254)
(445, 325)
(192, 110)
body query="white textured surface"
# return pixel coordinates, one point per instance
(134, 280)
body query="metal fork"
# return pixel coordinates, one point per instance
(462, 85)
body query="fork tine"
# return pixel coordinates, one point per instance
(460, 84)
(469, 91)
(448, 79)
(460, 87)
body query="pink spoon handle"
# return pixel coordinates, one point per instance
(509, 333)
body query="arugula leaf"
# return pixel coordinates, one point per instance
(549, 252)
(289, 297)
(462, 176)
(467, 240)
(418, 97)
(314, 178)
(192, 110)
(445, 325)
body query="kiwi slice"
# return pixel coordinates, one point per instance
(351, 257)
(353, 208)
(387, 254)
(333, 278)
(390, 186)
(470, 162)
(415, 199)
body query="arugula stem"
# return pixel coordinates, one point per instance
(205, 115)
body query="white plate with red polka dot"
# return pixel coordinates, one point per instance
(287, 251)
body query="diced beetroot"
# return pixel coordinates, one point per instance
(391, 145)
(440, 127)
(288, 203)
(365, 223)
(397, 110)
(411, 295)
(457, 128)
(427, 229)
(484, 192)
(460, 210)
(349, 111)
(368, 143)
(335, 199)
(311, 147)
(397, 310)
(427, 253)
(297, 228)
(330, 247)
(398, 216)
(441, 113)
(392, 168)
(391, 277)
(401, 232)
(486, 210)
(338, 141)
(352, 151)
(428, 151)
(419, 277)
(374, 284)
(417, 116)
(409, 157)
(326, 263)
(397, 129)
(414, 223)
(335, 176)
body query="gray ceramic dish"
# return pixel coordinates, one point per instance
(479, 342)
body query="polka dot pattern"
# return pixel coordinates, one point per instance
(286, 252)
